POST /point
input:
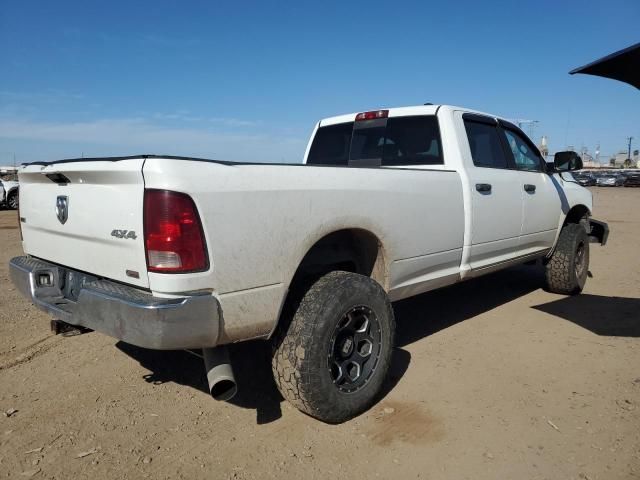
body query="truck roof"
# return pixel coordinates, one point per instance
(398, 112)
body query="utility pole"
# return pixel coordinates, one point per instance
(629, 151)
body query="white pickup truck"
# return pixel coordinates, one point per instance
(183, 253)
(9, 194)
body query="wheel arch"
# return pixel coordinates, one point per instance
(576, 214)
(355, 250)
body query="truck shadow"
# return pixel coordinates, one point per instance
(426, 314)
(252, 367)
(416, 318)
(251, 362)
(605, 316)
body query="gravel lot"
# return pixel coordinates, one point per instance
(491, 379)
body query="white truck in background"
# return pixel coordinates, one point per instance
(182, 253)
(9, 193)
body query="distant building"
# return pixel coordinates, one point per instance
(590, 163)
(544, 148)
(619, 160)
(587, 160)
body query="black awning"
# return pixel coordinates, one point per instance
(623, 65)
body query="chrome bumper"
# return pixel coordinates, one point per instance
(126, 313)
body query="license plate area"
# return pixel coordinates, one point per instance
(73, 282)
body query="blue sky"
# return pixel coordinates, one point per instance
(247, 81)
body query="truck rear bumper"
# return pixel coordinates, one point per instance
(120, 311)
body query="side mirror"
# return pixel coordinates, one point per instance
(567, 161)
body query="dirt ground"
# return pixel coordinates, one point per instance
(491, 379)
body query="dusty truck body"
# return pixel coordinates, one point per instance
(182, 253)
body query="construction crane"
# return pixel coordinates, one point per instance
(522, 122)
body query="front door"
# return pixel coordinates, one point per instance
(541, 200)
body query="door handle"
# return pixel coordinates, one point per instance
(529, 188)
(483, 187)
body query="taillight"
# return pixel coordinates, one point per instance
(173, 234)
(372, 115)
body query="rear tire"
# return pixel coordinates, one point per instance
(331, 359)
(566, 272)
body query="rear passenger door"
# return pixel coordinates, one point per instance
(541, 201)
(496, 194)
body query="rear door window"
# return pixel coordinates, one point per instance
(485, 144)
(396, 141)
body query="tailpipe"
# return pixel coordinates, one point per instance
(222, 382)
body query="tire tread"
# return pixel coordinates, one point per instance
(293, 370)
(559, 272)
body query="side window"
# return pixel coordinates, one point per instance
(331, 145)
(486, 147)
(524, 156)
(412, 141)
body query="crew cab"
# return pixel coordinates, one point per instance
(183, 253)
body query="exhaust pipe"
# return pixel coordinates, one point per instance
(222, 383)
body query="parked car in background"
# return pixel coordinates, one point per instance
(9, 192)
(585, 179)
(610, 180)
(632, 179)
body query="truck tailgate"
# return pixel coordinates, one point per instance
(103, 199)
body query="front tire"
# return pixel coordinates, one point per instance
(567, 269)
(331, 359)
(12, 200)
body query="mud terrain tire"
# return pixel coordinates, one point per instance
(566, 271)
(331, 359)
